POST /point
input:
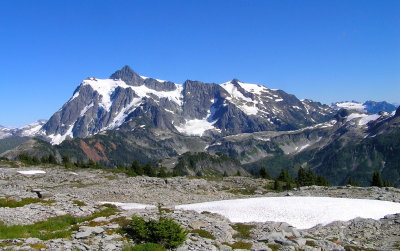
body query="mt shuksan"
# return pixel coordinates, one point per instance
(127, 101)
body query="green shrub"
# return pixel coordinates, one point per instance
(203, 233)
(165, 231)
(145, 247)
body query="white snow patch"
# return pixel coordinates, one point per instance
(300, 212)
(31, 172)
(121, 116)
(363, 118)
(278, 100)
(85, 109)
(196, 127)
(128, 206)
(56, 139)
(301, 148)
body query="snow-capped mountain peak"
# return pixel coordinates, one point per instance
(129, 101)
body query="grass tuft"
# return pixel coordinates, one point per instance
(243, 230)
(203, 233)
(24, 201)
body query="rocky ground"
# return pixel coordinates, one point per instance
(77, 192)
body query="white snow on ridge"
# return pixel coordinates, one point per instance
(247, 105)
(234, 92)
(105, 87)
(300, 212)
(253, 88)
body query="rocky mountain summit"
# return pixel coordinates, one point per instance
(79, 192)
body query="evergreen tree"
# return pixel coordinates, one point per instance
(301, 177)
(387, 184)
(284, 176)
(263, 173)
(277, 185)
(162, 173)
(149, 170)
(377, 179)
(52, 159)
(352, 182)
(321, 181)
(238, 173)
(138, 169)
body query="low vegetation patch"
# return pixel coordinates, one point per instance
(203, 233)
(244, 191)
(145, 247)
(164, 231)
(24, 201)
(274, 247)
(79, 203)
(243, 230)
(52, 228)
(239, 245)
(354, 248)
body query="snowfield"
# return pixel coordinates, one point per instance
(300, 212)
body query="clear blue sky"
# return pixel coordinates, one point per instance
(324, 50)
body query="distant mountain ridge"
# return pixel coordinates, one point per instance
(369, 106)
(30, 130)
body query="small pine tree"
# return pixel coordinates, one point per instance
(225, 174)
(352, 182)
(238, 173)
(284, 176)
(138, 169)
(377, 179)
(288, 186)
(149, 170)
(387, 184)
(162, 173)
(263, 173)
(277, 185)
